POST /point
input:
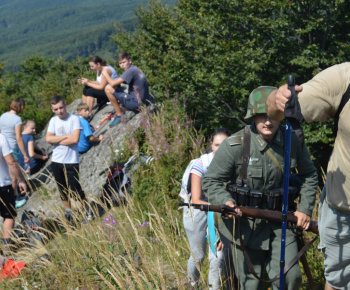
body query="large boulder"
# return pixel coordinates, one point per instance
(94, 164)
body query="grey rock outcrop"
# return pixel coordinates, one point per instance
(93, 164)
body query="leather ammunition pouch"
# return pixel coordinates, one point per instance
(271, 199)
(244, 196)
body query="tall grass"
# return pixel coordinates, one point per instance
(140, 244)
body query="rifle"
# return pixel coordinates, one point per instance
(270, 215)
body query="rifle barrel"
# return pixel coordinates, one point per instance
(266, 214)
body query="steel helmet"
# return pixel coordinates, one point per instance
(257, 100)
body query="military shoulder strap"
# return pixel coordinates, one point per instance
(235, 139)
(242, 178)
(274, 159)
(343, 102)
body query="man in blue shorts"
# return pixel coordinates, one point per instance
(138, 88)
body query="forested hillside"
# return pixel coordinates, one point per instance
(212, 54)
(208, 54)
(66, 28)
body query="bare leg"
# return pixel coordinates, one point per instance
(83, 97)
(124, 110)
(90, 101)
(66, 204)
(114, 102)
(8, 227)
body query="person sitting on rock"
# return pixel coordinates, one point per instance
(95, 89)
(138, 88)
(86, 135)
(37, 156)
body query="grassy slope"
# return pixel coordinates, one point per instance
(142, 245)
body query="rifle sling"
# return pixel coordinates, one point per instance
(286, 269)
(274, 159)
(242, 178)
(303, 260)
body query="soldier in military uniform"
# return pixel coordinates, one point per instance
(263, 189)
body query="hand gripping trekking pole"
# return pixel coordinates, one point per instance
(291, 87)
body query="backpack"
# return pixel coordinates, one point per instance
(185, 192)
(118, 182)
(31, 229)
(344, 100)
(115, 187)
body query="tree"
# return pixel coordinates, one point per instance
(37, 80)
(215, 52)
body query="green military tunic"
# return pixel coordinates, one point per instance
(262, 174)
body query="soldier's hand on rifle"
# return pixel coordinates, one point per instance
(303, 220)
(237, 210)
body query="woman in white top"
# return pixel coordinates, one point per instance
(10, 125)
(195, 221)
(95, 89)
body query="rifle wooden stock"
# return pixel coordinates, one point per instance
(265, 214)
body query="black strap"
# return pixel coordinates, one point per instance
(342, 104)
(303, 260)
(286, 269)
(242, 178)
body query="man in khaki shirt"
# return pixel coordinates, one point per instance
(319, 100)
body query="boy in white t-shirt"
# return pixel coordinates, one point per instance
(64, 132)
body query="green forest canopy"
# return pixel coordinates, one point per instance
(213, 53)
(210, 55)
(61, 28)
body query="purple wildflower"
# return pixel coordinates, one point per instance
(107, 220)
(144, 224)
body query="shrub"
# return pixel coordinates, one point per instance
(170, 137)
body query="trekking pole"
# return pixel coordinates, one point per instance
(291, 84)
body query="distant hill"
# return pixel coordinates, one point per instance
(65, 28)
